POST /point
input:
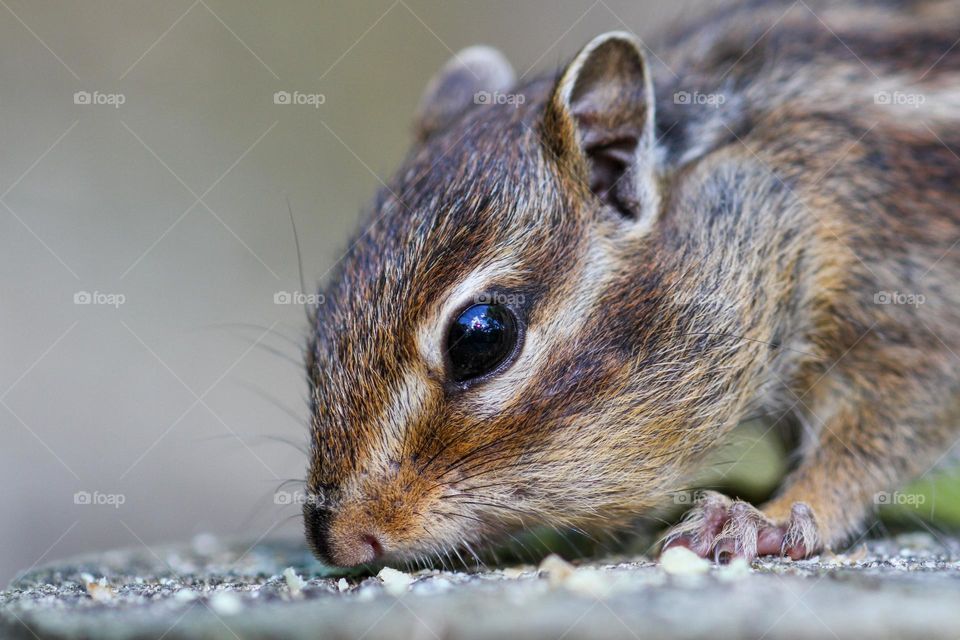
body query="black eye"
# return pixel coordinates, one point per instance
(480, 340)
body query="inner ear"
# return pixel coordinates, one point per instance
(609, 165)
(600, 117)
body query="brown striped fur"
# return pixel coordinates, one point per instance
(739, 274)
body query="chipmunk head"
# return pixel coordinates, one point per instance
(494, 350)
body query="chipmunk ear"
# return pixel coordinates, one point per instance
(469, 77)
(600, 121)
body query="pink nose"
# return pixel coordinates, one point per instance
(344, 539)
(375, 547)
(353, 549)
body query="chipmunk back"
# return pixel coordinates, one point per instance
(576, 286)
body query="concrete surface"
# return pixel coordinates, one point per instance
(906, 587)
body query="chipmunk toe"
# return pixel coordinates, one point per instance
(721, 529)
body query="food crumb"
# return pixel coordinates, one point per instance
(294, 582)
(185, 595)
(226, 603)
(589, 582)
(433, 586)
(365, 594)
(680, 561)
(395, 582)
(738, 569)
(556, 568)
(98, 590)
(512, 573)
(343, 585)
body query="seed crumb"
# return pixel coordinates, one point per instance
(556, 568)
(98, 590)
(680, 561)
(226, 603)
(395, 582)
(738, 569)
(294, 582)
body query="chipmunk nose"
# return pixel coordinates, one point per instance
(338, 542)
(357, 549)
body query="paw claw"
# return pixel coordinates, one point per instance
(724, 551)
(721, 529)
(801, 537)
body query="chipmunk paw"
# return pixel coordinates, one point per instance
(721, 529)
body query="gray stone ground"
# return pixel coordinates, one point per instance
(906, 587)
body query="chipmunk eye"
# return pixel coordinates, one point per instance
(480, 339)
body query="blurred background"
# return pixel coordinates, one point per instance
(150, 328)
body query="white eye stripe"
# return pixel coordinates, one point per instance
(406, 404)
(410, 397)
(510, 385)
(558, 328)
(431, 333)
(561, 324)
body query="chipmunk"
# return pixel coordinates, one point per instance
(577, 285)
